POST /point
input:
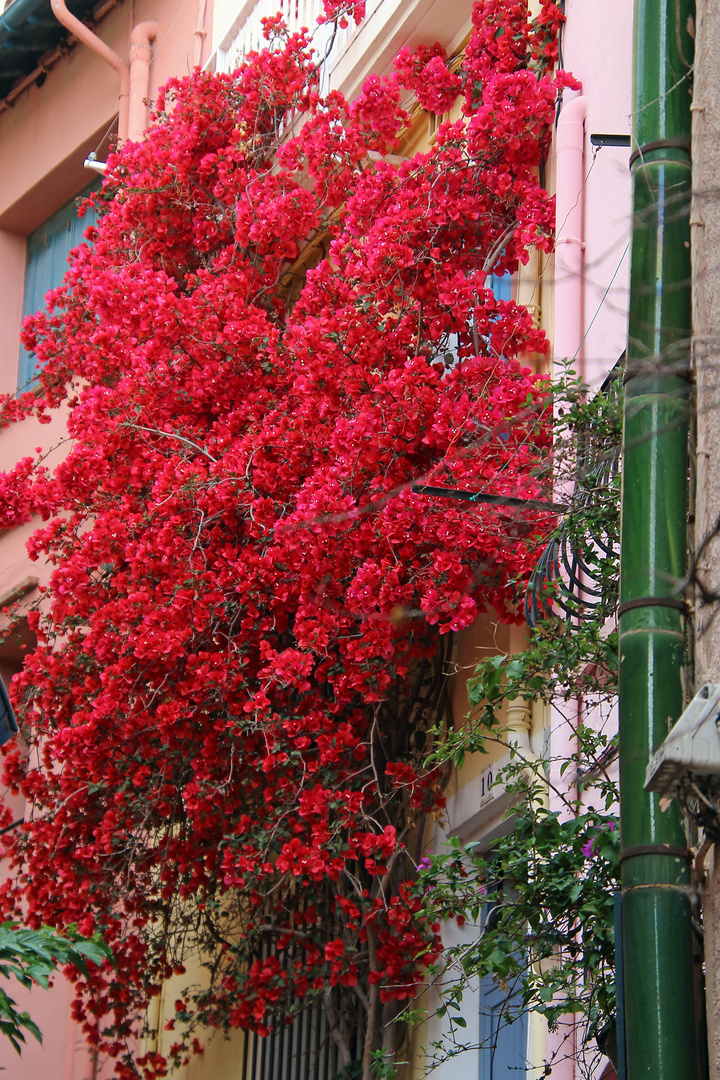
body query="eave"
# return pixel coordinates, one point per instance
(32, 40)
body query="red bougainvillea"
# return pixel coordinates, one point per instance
(241, 654)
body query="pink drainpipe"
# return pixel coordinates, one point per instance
(134, 76)
(569, 245)
(84, 33)
(141, 39)
(568, 336)
(200, 33)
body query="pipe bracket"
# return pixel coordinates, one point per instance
(655, 601)
(570, 240)
(642, 368)
(656, 849)
(659, 144)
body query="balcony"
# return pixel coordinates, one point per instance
(245, 34)
(356, 51)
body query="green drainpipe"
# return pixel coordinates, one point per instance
(661, 1011)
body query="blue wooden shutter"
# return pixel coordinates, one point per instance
(47, 253)
(501, 286)
(503, 1037)
(503, 1030)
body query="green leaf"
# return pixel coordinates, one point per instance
(31, 957)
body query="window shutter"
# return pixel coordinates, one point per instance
(501, 286)
(503, 1038)
(47, 254)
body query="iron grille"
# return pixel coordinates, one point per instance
(571, 575)
(302, 1050)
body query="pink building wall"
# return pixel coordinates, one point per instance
(590, 273)
(597, 49)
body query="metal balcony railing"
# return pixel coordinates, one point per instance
(246, 32)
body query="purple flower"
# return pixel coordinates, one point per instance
(590, 848)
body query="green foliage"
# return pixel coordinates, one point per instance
(382, 1065)
(31, 957)
(542, 901)
(539, 903)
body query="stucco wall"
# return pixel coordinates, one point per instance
(597, 49)
(705, 228)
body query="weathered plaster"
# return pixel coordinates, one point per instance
(705, 224)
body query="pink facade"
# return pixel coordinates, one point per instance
(592, 261)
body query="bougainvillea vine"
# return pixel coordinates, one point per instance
(278, 326)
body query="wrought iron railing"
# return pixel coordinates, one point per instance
(575, 577)
(246, 32)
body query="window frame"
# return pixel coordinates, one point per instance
(57, 236)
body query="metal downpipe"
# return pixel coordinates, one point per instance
(661, 1013)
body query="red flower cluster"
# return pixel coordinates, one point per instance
(426, 73)
(240, 660)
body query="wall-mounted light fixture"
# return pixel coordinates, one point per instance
(91, 162)
(692, 749)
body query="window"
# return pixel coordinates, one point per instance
(503, 1030)
(503, 1034)
(47, 253)
(501, 287)
(303, 1050)
(8, 723)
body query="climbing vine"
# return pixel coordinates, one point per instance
(278, 324)
(539, 904)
